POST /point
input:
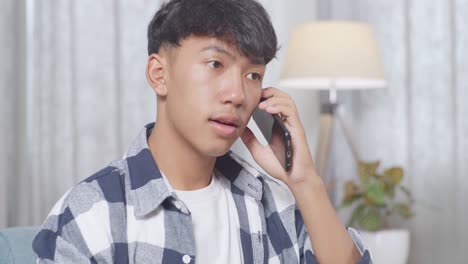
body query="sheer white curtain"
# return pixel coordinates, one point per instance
(74, 94)
(8, 97)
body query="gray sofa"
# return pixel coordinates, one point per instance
(16, 245)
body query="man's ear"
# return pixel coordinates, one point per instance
(155, 73)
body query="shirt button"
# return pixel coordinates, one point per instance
(186, 259)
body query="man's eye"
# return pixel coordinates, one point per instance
(215, 64)
(254, 76)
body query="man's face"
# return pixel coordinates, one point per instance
(212, 91)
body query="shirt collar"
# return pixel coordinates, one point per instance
(150, 190)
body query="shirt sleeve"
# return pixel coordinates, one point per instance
(75, 231)
(60, 241)
(50, 248)
(306, 252)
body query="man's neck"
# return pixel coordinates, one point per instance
(184, 168)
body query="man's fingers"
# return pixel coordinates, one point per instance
(288, 114)
(272, 91)
(250, 141)
(277, 101)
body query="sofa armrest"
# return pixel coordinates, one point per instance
(16, 245)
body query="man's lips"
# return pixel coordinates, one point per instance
(225, 126)
(227, 120)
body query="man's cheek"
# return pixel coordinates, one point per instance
(254, 104)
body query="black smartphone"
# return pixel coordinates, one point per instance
(276, 134)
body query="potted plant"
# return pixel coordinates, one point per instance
(374, 199)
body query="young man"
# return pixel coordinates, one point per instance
(179, 195)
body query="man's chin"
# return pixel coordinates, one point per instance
(220, 149)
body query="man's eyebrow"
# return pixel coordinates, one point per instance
(220, 49)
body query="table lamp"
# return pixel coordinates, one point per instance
(332, 56)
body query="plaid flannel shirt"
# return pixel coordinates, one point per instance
(127, 213)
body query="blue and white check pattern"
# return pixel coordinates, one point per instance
(127, 213)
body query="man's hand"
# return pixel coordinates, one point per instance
(278, 102)
(331, 243)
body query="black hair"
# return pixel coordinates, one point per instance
(242, 23)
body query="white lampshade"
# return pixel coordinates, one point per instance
(332, 54)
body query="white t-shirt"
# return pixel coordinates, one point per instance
(215, 223)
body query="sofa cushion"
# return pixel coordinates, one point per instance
(16, 245)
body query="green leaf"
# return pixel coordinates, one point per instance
(348, 201)
(371, 220)
(375, 193)
(350, 190)
(403, 209)
(356, 214)
(393, 175)
(390, 190)
(351, 194)
(367, 169)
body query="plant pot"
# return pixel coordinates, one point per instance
(387, 246)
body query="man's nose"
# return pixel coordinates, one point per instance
(233, 91)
